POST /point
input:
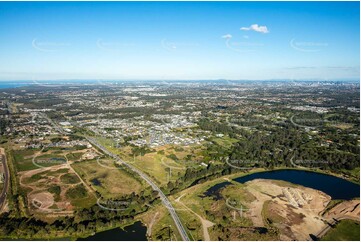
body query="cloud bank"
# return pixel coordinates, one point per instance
(257, 28)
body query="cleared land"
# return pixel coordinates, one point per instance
(48, 182)
(47, 190)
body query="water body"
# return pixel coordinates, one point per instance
(336, 187)
(96, 182)
(215, 191)
(134, 232)
(13, 84)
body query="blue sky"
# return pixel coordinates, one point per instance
(179, 40)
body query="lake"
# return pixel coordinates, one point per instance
(336, 187)
(134, 232)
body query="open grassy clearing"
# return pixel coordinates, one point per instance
(224, 141)
(165, 163)
(23, 159)
(168, 163)
(69, 178)
(106, 178)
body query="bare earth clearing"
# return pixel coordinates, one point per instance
(295, 211)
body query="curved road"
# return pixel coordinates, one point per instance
(163, 197)
(6, 178)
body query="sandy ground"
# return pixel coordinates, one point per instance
(295, 211)
(42, 200)
(349, 209)
(150, 226)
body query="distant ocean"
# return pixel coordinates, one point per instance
(13, 84)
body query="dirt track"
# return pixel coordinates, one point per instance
(40, 200)
(205, 223)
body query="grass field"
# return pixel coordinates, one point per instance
(224, 141)
(55, 190)
(23, 159)
(80, 197)
(69, 178)
(163, 164)
(111, 181)
(346, 230)
(77, 192)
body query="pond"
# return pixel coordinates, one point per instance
(134, 232)
(96, 182)
(214, 191)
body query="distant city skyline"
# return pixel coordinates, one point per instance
(179, 40)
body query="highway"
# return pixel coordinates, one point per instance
(55, 126)
(163, 197)
(6, 178)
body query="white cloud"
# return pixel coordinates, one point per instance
(257, 28)
(227, 36)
